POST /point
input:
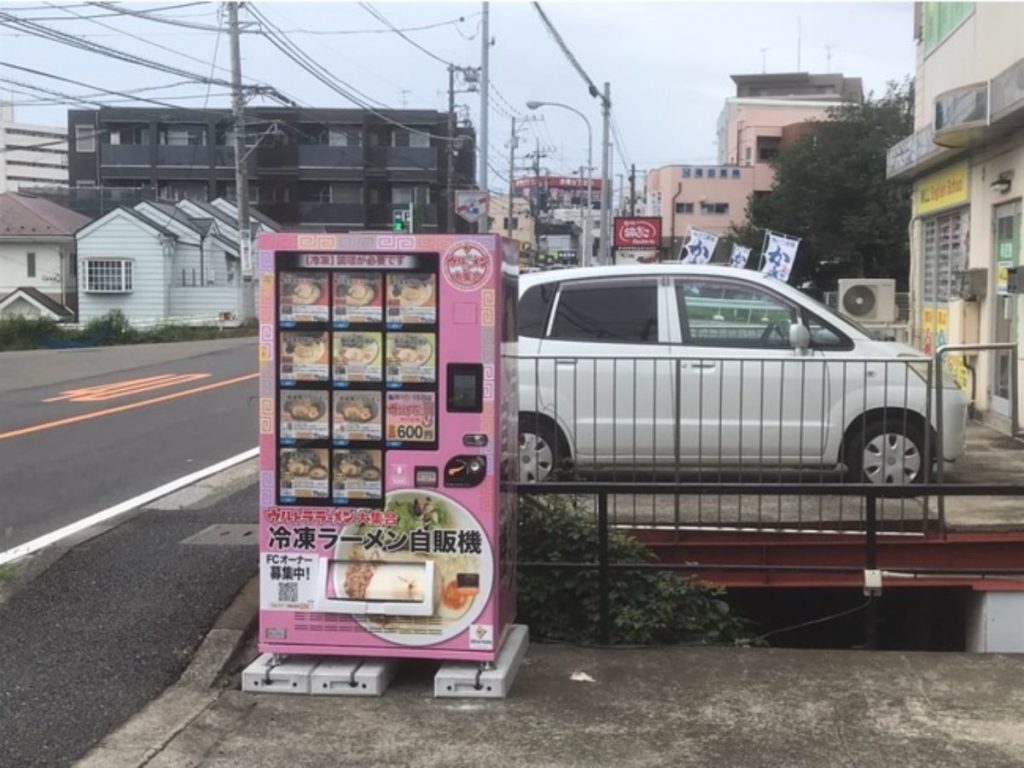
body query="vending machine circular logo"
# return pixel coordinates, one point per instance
(466, 266)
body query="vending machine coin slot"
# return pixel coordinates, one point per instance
(465, 471)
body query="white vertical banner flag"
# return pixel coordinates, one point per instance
(738, 257)
(699, 248)
(779, 255)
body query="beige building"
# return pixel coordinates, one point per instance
(766, 112)
(523, 224)
(966, 161)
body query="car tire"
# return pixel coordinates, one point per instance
(887, 452)
(539, 448)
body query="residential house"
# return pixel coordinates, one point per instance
(160, 263)
(37, 263)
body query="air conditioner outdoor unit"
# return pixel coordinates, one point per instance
(868, 301)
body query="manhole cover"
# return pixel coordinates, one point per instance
(225, 535)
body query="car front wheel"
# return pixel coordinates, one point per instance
(536, 451)
(887, 453)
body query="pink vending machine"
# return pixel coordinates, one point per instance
(388, 413)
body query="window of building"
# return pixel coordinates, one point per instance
(746, 154)
(698, 172)
(626, 312)
(735, 173)
(344, 137)
(30, 264)
(183, 136)
(722, 314)
(723, 173)
(714, 208)
(945, 253)
(85, 138)
(767, 148)
(314, 193)
(686, 172)
(404, 138)
(108, 275)
(941, 20)
(405, 195)
(684, 207)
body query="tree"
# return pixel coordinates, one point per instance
(830, 190)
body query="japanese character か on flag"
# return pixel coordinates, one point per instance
(779, 255)
(738, 257)
(699, 247)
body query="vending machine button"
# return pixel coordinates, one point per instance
(426, 477)
(474, 440)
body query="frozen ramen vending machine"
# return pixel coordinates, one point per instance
(388, 414)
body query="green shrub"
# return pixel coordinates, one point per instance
(25, 332)
(111, 328)
(647, 606)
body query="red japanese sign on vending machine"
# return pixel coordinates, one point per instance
(388, 412)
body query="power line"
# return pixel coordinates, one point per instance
(383, 20)
(47, 33)
(620, 145)
(151, 16)
(437, 25)
(565, 49)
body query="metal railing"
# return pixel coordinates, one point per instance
(872, 495)
(732, 432)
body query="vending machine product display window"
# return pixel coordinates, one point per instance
(387, 444)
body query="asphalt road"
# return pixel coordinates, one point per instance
(93, 638)
(73, 443)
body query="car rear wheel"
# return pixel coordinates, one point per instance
(887, 454)
(537, 442)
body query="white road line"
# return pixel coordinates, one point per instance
(125, 506)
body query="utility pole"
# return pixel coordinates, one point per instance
(632, 189)
(241, 172)
(534, 198)
(606, 182)
(450, 196)
(485, 87)
(512, 144)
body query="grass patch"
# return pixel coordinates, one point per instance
(19, 333)
(6, 573)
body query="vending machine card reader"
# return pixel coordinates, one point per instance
(388, 413)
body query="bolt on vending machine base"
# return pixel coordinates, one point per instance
(388, 441)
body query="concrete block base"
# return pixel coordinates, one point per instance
(471, 681)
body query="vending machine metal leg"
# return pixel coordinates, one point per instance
(485, 681)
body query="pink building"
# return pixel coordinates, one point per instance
(751, 129)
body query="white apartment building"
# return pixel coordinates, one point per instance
(966, 161)
(31, 155)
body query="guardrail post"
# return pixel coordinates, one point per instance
(939, 448)
(871, 563)
(603, 575)
(1014, 384)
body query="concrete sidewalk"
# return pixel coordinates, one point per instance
(711, 707)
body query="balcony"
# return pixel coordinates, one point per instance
(379, 215)
(916, 153)
(272, 160)
(1006, 98)
(961, 116)
(339, 214)
(186, 157)
(403, 158)
(138, 155)
(321, 156)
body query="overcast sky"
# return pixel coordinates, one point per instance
(668, 62)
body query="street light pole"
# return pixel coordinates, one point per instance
(606, 182)
(588, 225)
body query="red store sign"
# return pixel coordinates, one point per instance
(637, 232)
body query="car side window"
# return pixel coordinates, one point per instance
(534, 308)
(618, 312)
(716, 313)
(823, 335)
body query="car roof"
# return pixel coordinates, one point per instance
(631, 270)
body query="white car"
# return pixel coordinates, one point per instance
(663, 366)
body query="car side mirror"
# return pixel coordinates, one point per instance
(799, 337)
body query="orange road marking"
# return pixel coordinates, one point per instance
(124, 388)
(126, 407)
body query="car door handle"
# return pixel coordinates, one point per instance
(703, 364)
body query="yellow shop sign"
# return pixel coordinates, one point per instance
(944, 189)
